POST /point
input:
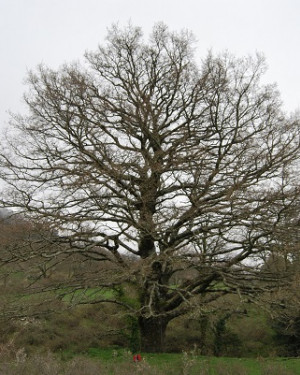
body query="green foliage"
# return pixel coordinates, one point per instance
(225, 341)
(133, 335)
(287, 336)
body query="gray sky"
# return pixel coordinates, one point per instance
(57, 31)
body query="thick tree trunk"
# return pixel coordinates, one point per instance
(152, 331)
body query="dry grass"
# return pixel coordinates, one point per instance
(122, 364)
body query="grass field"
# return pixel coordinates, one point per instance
(120, 362)
(191, 364)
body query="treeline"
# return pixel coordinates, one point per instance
(62, 320)
(53, 305)
(245, 333)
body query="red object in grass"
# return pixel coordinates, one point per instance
(137, 358)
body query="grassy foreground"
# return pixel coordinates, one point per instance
(120, 362)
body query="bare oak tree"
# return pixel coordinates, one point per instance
(174, 173)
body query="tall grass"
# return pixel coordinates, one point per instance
(121, 363)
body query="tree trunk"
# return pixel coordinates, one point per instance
(152, 331)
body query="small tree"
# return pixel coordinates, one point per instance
(142, 152)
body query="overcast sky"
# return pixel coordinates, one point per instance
(57, 31)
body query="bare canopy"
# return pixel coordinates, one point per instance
(144, 152)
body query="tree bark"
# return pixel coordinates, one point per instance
(153, 332)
